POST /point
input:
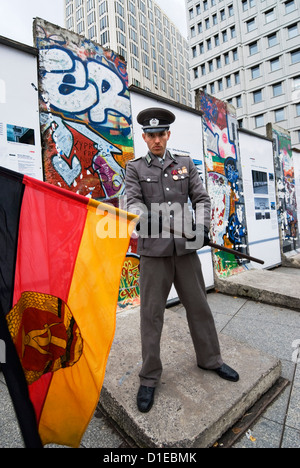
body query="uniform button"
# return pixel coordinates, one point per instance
(167, 189)
(182, 176)
(169, 203)
(166, 175)
(148, 180)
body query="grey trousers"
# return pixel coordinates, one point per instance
(157, 274)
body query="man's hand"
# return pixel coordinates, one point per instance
(150, 224)
(206, 239)
(200, 239)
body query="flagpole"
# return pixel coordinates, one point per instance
(18, 388)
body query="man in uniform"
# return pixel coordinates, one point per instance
(158, 186)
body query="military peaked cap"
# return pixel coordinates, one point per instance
(155, 119)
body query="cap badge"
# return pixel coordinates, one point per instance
(154, 122)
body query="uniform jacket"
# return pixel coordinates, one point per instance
(149, 183)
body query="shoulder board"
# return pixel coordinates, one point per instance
(175, 153)
(136, 159)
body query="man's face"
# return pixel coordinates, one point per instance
(157, 142)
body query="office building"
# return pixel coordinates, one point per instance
(247, 52)
(138, 30)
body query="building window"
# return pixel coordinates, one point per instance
(298, 110)
(222, 15)
(104, 38)
(92, 32)
(257, 96)
(196, 73)
(290, 6)
(215, 19)
(270, 15)
(295, 56)
(239, 101)
(224, 36)
(217, 40)
(218, 62)
(279, 115)
(135, 64)
(207, 25)
(245, 5)
(275, 64)
(230, 10)
(228, 81)
(203, 71)
(277, 89)
(237, 78)
(292, 31)
(201, 48)
(255, 72)
(220, 85)
(259, 120)
(251, 25)
(272, 40)
(253, 48)
(232, 32)
(80, 27)
(226, 58)
(235, 54)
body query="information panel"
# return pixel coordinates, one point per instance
(20, 143)
(260, 198)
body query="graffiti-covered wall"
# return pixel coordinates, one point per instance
(85, 119)
(286, 188)
(224, 182)
(85, 113)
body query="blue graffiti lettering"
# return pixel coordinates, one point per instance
(76, 87)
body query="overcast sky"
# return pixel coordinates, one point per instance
(16, 16)
(175, 9)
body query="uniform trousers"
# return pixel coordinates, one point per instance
(157, 274)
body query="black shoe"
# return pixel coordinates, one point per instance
(225, 372)
(145, 398)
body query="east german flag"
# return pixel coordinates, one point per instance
(61, 257)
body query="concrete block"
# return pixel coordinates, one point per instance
(263, 285)
(192, 407)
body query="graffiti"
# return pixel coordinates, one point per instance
(129, 292)
(85, 113)
(85, 118)
(228, 223)
(78, 88)
(286, 187)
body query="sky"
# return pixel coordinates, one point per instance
(16, 16)
(175, 9)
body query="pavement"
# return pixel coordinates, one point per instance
(258, 322)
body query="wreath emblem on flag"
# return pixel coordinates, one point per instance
(45, 333)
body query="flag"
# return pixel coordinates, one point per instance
(61, 256)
